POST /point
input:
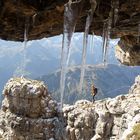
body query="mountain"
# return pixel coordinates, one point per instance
(39, 59)
(42, 57)
(111, 80)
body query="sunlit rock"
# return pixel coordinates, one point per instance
(106, 119)
(28, 111)
(128, 51)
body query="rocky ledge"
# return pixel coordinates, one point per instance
(108, 119)
(128, 51)
(29, 113)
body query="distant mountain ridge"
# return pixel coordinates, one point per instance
(43, 57)
(110, 80)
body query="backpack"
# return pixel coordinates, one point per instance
(95, 91)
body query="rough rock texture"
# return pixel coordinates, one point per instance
(109, 119)
(128, 51)
(28, 112)
(45, 17)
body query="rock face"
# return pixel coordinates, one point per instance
(128, 51)
(28, 112)
(45, 18)
(109, 119)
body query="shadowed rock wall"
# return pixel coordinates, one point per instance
(44, 18)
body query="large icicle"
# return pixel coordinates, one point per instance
(85, 42)
(24, 50)
(104, 39)
(112, 19)
(115, 10)
(92, 43)
(105, 42)
(20, 71)
(34, 18)
(71, 14)
(106, 36)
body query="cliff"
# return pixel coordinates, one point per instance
(28, 112)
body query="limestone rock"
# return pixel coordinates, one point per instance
(108, 119)
(28, 112)
(128, 51)
(135, 89)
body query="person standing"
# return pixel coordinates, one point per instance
(94, 91)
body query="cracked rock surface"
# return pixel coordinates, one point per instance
(108, 119)
(28, 112)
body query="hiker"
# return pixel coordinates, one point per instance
(94, 91)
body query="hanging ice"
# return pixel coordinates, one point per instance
(71, 13)
(115, 10)
(106, 36)
(105, 40)
(33, 18)
(92, 43)
(85, 41)
(24, 50)
(20, 70)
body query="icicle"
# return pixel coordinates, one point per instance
(107, 43)
(138, 39)
(85, 41)
(113, 16)
(106, 36)
(92, 43)
(70, 19)
(33, 18)
(105, 40)
(115, 8)
(24, 50)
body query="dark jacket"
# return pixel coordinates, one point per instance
(94, 90)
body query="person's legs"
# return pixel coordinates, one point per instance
(93, 98)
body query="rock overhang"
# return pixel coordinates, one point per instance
(45, 19)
